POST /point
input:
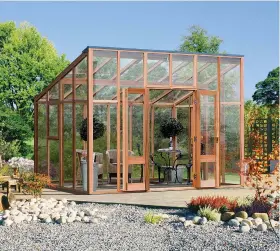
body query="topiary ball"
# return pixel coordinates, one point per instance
(98, 129)
(171, 128)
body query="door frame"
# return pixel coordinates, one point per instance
(129, 160)
(206, 158)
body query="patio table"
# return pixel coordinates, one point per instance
(169, 166)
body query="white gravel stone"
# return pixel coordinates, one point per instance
(18, 219)
(196, 219)
(262, 227)
(188, 223)
(29, 218)
(43, 216)
(48, 220)
(233, 223)
(244, 228)
(34, 218)
(7, 222)
(257, 221)
(14, 211)
(64, 201)
(86, 219)
(182, 219)
(94, 220)
(78, 219)
(81, 214)
(73, 203)
(70, 219)
(202, 221)
(62, 220)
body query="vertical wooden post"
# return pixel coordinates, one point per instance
(174, 139)
(36, 137)
(146, 115)
(125, 139)
(118, 124)
(218, 125)
(130, 140)
(108, 128)
(152, 137)
(90, 181)
(197, 139)
(84, 117)
(61, 134)
(48, 133)
(241, 119)
(74, 127)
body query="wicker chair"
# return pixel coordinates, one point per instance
(111, 156)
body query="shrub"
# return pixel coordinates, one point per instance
(221, 203)
(171, 128)
(256, 206)
(209, 213)
(33, 183)
(152, 218)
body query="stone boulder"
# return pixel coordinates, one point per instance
(233, 223)
(262, 227)
(242, 214)
(227, 216)
(263, 216)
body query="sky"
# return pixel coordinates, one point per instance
(247, 28)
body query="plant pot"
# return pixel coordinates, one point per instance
(84, 175)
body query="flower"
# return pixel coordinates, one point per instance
(22, 164)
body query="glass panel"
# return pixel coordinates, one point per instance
(207, 174)
(81, 80)
(207, 73)
(54, 161)
(54, 92)
(207, 124)
(182, 70)
(230, 80)
(135, 129)
(230, 144)
(67, 85)
(67, 157)
(158, 69)
(131, 69)
(53, 120)
(42, 135)
(104, 74)
(80, 144)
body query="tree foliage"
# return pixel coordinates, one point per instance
(28, 63)
(267, 92)
(198, 40)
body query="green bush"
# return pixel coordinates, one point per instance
(171, 127)
(209, 213)
(152, 218)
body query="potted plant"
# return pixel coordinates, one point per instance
(98, 132)
(171, 128)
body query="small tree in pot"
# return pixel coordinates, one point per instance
(98, 132)
(171, 128)
(98, 129)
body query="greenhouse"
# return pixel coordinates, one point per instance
(125, 120)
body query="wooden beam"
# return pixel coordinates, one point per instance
(217, 125)
(90, 181)
(160, 97)
(123, 70)
(215, 77)
(150, 70)
(61, 136)
(179, 67)
(195, 73)
(242, 179)
(152, 131)
(74, 174)
(118, 124)
(61, 75)
(183, 98)
(108, 128)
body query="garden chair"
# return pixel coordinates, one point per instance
(111, 156)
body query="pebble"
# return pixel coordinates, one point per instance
(233, 223)
(262, 227)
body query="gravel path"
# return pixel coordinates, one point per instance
(125, 229)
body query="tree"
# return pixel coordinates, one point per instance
(199, 41)
(28, 63)
(13, 128)
(267, 92)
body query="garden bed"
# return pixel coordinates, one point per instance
(120, 227)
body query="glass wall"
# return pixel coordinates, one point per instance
(230, 121)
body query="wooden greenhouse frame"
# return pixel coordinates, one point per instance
(210, 87)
